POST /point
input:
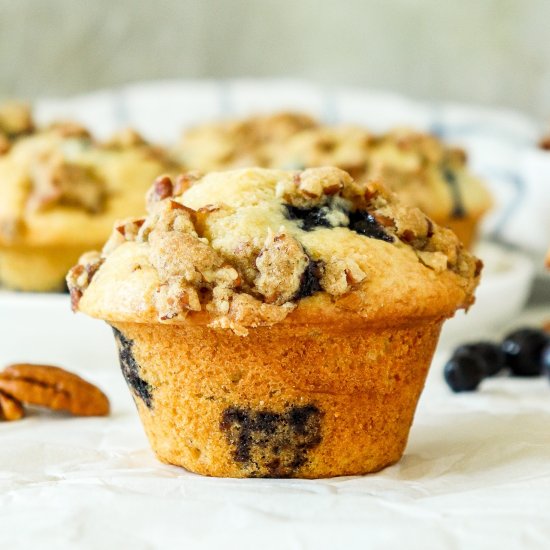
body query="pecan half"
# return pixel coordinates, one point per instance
(53, 388)
(185, 181)
(10, 408)
(544, 143)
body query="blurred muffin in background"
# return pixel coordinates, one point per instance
(61, 191)
(15, 121)
(239, 143)
(419, 167)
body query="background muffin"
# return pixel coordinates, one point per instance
(239, 143)
(15, 121)
(60, 192)
(276, 323)
(417, 166)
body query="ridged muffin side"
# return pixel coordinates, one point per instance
(286, 401)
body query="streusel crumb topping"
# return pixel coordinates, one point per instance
(247, 247)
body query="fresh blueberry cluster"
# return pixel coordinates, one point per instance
(524, 352)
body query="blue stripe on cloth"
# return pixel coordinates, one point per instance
(515, 181)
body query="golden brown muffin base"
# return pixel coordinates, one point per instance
(37, 268)
(289, 400)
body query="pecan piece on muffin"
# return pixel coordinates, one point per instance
(278, 323)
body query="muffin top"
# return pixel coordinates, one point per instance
(255, 247)
(239, 143)
(58, 186)
(419, 167)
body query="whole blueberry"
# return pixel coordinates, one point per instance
(463, 372)
(523, 351)
(545, 360)
(490, 354)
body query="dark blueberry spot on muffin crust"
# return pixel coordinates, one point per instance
(309, 283)
(360, 221)
(299, 417)
(308, 218)
(364, 223)
(130, 369)
(458, 207)
(272, 444)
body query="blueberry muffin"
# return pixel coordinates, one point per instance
(60, 192)
(239, 143)
(276, 323)
(417, 166)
